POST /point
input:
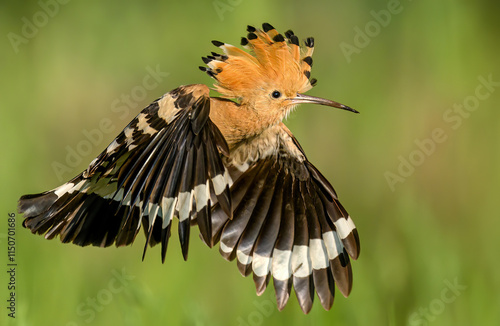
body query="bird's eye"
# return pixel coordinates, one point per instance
(276, 94)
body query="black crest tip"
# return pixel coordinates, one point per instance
(309, 42)
(278, 38)
(217, 43)
(244, 41)
(252, 36)
(267, 27)
(308, 60)
(289, 34)
(251, 29)
(294, 40)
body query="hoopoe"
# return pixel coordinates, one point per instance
(227, 164)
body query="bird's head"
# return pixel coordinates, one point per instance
(271, 78)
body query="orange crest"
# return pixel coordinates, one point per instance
(272, 61)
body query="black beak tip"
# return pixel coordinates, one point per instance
(345, 107)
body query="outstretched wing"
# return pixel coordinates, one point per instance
(287, 224)
(165, 163)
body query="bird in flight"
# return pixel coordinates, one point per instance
(226, 164)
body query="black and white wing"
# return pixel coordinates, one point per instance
(165, 163)
(287, 223)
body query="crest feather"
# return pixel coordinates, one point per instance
(272, 60)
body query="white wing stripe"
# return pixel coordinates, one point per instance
(261, 265)
(333, 245)
(201, 195)
(243, 258)
(168, 208)
(225, 248)
(318, 254)
(221, 181)
(344, 226)
(184, 204)
(67, 187)
(301, 262)
(281, 264)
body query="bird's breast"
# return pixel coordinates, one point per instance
(273, 143)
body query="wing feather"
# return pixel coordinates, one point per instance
(254, 227)
(262, 262)
(235, 227)
(166, 163)
(287, 225)
(282, 252)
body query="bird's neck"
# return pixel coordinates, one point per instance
(239, 123)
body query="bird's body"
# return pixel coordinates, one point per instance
(231, 167)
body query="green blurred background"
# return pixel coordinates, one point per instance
(429, 229)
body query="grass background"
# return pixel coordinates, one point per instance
(440, 225)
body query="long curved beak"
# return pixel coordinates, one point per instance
(302, 98)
